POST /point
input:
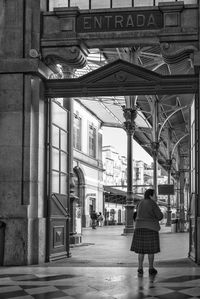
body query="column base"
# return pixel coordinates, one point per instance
(128, 230)
(75, 239)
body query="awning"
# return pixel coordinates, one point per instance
(117, 191)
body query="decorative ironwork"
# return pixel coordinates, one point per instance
(168, 164)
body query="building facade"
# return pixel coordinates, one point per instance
(87, 165)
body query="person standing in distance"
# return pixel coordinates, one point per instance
(146, 234)
(94, 217)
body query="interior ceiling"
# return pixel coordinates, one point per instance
(110, 109)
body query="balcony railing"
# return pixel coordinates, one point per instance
(96, 4)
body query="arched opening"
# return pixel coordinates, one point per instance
(80, 193)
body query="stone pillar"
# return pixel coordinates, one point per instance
(129, 126)
(196, 188)
(154, 148)
(22, 134)
(155, 143)
(169, 165)
(182, 195)
(177, 177)
(68, 103)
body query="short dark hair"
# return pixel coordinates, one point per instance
(148, 193)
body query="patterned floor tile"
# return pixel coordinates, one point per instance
(101, 283)
(13, 294)
(4, 289)
(191, 291)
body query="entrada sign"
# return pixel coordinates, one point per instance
(119, 21)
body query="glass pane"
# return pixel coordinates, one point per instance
(63, 140)
(82, 4)
(57, 3)
(55, 159)
(55, 136)
(120, 3)
(144, 2)
(63, 162)
(100, 4)
(189, 1)
(63, 184)
(55, 182)
(59, 116)
(157, 1)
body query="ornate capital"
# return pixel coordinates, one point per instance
(176, 174)
(130, 116)
(168, 164)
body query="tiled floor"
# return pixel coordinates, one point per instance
(102, 282)
(103, 267)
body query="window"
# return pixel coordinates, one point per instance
(58, 148)
(92, 141)
(77, 132)
(93, 4)
(137, 172)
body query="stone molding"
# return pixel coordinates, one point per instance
(171, 13)
(26, 66)
(121, 78)
(176, 23)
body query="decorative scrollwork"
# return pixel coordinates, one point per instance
(173, 53)
(69, 56)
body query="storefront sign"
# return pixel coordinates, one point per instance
(166, 189)
(119, 21)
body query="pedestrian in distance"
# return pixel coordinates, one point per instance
(146, 234)
(94, 217)
(100, 219)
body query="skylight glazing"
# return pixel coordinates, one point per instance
(96, 4)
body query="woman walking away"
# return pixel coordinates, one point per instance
(146, 234)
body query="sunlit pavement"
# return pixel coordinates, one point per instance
(103, 267)
(109, 247)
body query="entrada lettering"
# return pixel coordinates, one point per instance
(132, 21)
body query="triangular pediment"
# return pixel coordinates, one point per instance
(120, 71)
(121, 78)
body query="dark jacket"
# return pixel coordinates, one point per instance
(93, 216)
(148, 215)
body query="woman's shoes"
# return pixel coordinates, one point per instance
(153, 271)
(140, 272)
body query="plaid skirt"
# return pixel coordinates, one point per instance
(145, 241)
